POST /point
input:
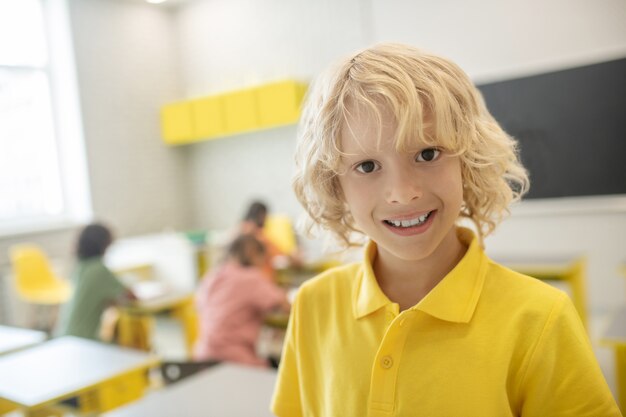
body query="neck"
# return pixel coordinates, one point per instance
(406, 282)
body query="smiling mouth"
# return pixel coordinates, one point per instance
(403, 224)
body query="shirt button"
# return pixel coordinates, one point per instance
(386, 362)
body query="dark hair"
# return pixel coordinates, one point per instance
(93, 241)
(256, 213)
(244, 247)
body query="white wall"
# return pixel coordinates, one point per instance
(127, 68)
(231, 44)
(493, 39)
(227, 45)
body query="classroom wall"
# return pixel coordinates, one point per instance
(226, 45)
(128, 66)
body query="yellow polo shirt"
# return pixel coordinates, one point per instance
(486, 341)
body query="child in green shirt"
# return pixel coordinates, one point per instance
(95, 286)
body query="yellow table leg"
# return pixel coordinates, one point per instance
(134, 331)
(187, 315)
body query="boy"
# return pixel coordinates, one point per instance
(397, 144)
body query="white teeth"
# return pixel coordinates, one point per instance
(409, 223)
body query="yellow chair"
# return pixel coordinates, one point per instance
(279, 230)
(36, 283)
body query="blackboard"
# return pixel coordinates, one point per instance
(571, 126)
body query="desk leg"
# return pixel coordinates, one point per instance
(134, 331)
(620, 375)
(187, 315)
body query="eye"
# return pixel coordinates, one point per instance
(428, 155)
(366, 167)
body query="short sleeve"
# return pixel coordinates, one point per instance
(563, 377)
(286, 400)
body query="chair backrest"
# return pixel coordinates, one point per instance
(31, 268)
(279, 229)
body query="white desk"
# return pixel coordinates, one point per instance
(69, 367)
(225, 390)
(166, 257)
(15, 338)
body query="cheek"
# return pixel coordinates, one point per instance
(451, 180)
(355, 196)
(349, 189)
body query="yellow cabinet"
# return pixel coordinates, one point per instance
(177, 123)
(279, 103)
(241, 111)
(208, 116)
(229, 113)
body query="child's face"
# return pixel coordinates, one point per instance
(407, 202)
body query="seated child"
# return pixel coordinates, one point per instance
(397, 144)
(253, 223)
(232, 302)
(95, 286)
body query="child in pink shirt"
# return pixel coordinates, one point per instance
(232, 302)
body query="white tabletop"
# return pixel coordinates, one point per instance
(15, 338)
(157, 304)
(226, 390)
(57, 369)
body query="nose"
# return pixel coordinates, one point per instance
(403, 185)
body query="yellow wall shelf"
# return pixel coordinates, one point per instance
(230, 113)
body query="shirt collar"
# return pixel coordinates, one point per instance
(453, 299)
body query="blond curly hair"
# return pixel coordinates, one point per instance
(414, 86)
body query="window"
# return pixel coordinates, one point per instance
(43, 180)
